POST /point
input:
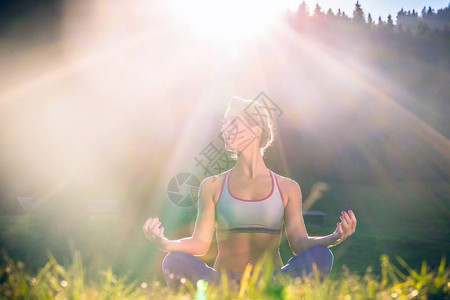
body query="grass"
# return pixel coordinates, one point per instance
(54, 281)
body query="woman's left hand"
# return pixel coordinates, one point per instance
(345, 228)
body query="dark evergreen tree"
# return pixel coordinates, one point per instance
(358, 14)
(424, 12)
(369, 19)
(401, 14)
(430, 12)
(302, 11)
(318, 11)
(330, 13)
(344, 16)
(389, 23)
(408, 20)
(444, 14)
(380, 21)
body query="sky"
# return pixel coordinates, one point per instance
(375, 7)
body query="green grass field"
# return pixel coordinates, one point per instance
(55, 281)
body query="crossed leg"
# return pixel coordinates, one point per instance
(177, 266)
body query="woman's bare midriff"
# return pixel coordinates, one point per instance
(236, 250)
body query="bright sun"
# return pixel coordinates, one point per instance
(229, 21)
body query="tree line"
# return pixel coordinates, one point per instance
(430, 21)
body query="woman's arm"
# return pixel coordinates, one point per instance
(200, 242)
(298, 237)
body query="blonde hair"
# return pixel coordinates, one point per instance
(244, 108)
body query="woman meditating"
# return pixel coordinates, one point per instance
(247, 206)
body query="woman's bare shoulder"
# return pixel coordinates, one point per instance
(286, 183)
(214, 182)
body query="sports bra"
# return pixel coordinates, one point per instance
(238, 215)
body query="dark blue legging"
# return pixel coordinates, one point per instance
(180, 266)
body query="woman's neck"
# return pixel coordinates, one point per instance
(250, 164)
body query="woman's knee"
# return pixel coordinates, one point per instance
(174, 261)
(323, 257)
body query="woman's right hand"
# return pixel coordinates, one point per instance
(155, 234)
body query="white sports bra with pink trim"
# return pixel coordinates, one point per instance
(239, 215)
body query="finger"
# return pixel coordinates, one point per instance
(150, 226)
(152, 223)
(155, 227)
(156, 232)
(352, 225)
(341, 232)
(162, 232)
(146, 228)
(146, 223)
(352, 216)
(345, 227)
(346, 217)
(344, 222)
(351, 222)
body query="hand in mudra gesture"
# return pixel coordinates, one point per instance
(155, 234)
(346, 227)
